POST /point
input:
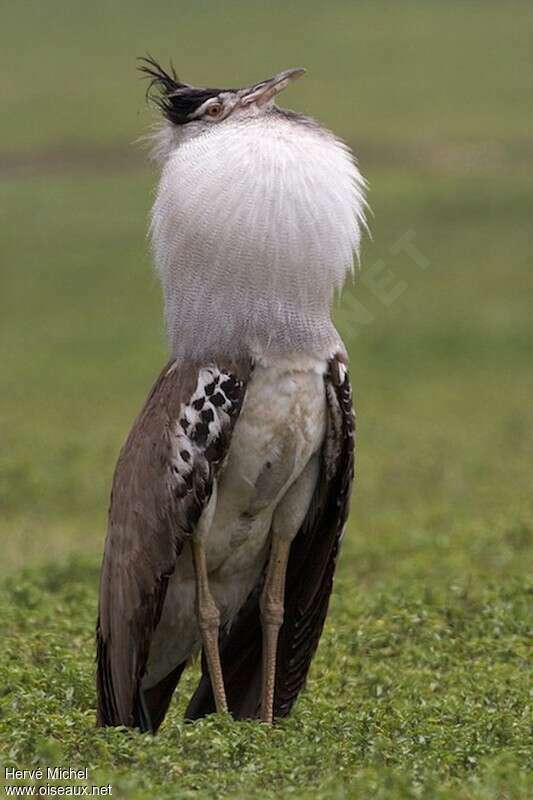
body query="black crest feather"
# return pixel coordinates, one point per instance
(176, 100)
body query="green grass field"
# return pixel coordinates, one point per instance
(421, 687)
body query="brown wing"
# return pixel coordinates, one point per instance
(163, 479)
(309, 579)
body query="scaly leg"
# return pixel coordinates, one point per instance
(209, 622)
(286, 523)
(272, 609)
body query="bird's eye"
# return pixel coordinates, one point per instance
(214, 110)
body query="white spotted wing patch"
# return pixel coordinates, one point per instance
(202, 429)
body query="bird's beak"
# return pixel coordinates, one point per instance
(262, 92)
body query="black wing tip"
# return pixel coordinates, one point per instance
(106, 711)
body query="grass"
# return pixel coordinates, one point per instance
(416, 692)
(420, 688)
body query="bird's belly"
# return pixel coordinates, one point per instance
(280, 427)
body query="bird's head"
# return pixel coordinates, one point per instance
(192, 110)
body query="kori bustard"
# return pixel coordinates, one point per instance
(231, 492)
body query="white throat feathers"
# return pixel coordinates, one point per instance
(254, 228)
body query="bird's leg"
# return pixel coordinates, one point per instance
(286, 522)
(272, 609)
(208, 622)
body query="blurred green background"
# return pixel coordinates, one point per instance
(436, 100)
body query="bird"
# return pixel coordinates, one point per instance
(231, 493)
